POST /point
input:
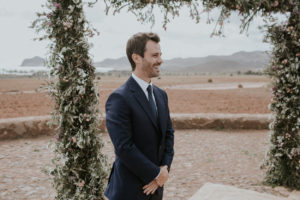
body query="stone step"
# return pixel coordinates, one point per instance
(210, 191)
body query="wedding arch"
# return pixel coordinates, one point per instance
(80, 168)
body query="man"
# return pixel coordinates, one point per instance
(139, 125)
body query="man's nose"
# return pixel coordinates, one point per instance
(160, 60)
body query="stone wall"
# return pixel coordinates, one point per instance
(26, 127)
(221, 121)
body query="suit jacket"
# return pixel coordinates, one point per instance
(141, 143)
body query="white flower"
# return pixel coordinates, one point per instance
(271, 125)
(76, 1)
(269, 106)
(67, 24)
(63, 50)
(278, 155)
(280, 139)
(71, 8)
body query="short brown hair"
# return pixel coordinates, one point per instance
(137, 44)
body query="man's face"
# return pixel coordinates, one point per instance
(152, 59)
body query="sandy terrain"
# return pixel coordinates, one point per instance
(187, 94)
(225, 157)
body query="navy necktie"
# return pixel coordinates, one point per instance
(151, 101)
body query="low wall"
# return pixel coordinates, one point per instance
(28, 127)
(221, 121)
(24, 127)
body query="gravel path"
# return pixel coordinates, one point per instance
(226, 157)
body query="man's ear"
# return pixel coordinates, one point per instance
(136, 58)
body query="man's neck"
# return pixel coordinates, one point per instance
(142, 76)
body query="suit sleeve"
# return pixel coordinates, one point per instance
(169, 140)
(118, 124)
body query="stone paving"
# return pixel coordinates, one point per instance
(230, 157)
(211, 191)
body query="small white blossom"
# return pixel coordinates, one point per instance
(63, 50)
(71, 8)
(67, 24)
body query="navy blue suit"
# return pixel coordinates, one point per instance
(141, 143)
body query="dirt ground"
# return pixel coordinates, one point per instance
(187, 94)
(224, 157)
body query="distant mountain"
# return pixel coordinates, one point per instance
(118, 64)
(35, 61)
(240, 61)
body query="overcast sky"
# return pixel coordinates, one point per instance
(183, 38)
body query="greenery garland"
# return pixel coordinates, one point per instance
(80, 170)
(283, 159)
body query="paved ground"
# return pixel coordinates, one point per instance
(225, 157)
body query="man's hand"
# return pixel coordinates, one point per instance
(150, 188)
(158, 181)
(163, 176)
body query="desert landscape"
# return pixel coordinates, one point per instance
(213, 58)
(20, 97)
(230, 157)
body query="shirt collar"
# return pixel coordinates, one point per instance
(143, 84)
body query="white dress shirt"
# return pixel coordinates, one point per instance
(144, 85)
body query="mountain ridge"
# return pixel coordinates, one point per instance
(239, 61)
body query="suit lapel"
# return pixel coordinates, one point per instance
(141, 99)
(161, 110)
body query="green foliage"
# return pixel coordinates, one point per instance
(144, 9)
(171, 8)
(80, 171)
(283, 161)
